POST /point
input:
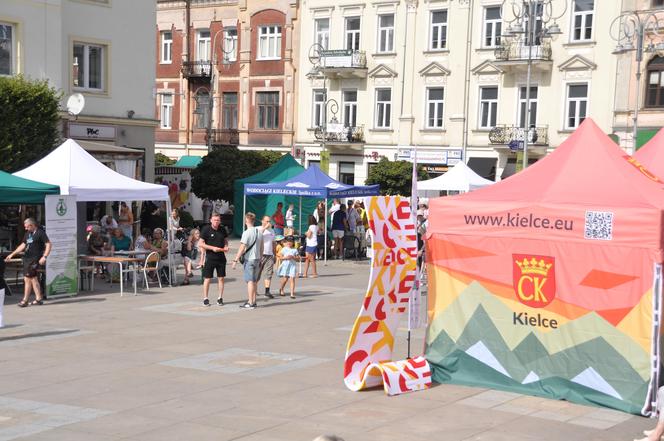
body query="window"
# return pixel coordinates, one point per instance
(230, 44)
(435, 105)
(268, 110)
(353, 33)
(577, 105)
(492, 26)
(203, 45)
(583, 20)
(347, 173)
(166, 110)
(166, 47)
(655, 85)
(386, 33)
(318, 117)
(522, 107)
(657, 3)
(350, 108)
(488, 107)
(322, 26)
(7, 52)
(383, 108)
(202, 110)
(438, 31)
(229, 110)
(88, 66)
(269, 42)
(539, 11)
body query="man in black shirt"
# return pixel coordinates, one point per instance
(35, 247)
(215, 243)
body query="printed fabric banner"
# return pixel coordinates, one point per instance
(564, 320)
(393, 266)
(61, 265)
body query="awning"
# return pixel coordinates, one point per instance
(188, 161)
(643, 136)
(485, 167)
(101, 147)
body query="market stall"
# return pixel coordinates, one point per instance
(459, 178)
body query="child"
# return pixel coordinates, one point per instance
(288, 267)
(290, 218)
(279, 245)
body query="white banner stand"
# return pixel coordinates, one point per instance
(2, 304)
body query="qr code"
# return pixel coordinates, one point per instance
(599, 225)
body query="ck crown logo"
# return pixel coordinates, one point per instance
(61, 207)
(534, 279)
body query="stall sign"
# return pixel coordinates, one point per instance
(61, 228)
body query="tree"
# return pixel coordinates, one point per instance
(214, 177)
(28, 121)
(394, 177)
(160, 159)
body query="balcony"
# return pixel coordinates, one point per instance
(337, 134)
(344, 63)
(515, 53)
(505, 135)
(224, 137)
(197, 69)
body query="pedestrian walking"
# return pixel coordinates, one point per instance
(311, 249)
(278, 218)
(215, 243)
(35, 248)
(250, 252)
(267, 260)
(339, 227)
(288, 268)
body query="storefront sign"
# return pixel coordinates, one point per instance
(61, 265)
(438, 157)
(85, 131)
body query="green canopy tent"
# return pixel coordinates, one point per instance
(15, 190)
(286, 168)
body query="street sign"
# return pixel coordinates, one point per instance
(516, 145)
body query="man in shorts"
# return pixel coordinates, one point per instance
(251, 248)
(35, 247)
(267, 260)
(215, 243)
(339, 227)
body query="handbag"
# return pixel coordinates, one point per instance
(241, 258)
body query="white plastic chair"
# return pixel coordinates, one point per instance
(151, 265)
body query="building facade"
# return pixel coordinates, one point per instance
(225, 75)
(377, 78)
(649, 96)
(102, 49)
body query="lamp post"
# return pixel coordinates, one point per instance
(630, 30)
(226, 52)
(527, 15)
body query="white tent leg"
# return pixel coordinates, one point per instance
(300, 233)
(325, 226)
(171, 270)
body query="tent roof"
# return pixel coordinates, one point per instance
(188, 161)
(588, 168)
(285, 168)
(78, 173)
(651, 155)
(15, 190)
(311, 183)
(458, 178)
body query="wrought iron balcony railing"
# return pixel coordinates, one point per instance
(505, 134)
(224, 137)
(337, 133)
(518, 50)
(197, 69)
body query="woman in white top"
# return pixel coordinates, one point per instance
(174, 222)
(290, 220)
(312, 247)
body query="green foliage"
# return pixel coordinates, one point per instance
(28, 121)
(214, 177)
(394, 177)
(186, 219)
(161, 159)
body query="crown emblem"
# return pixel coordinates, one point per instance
(533, 266)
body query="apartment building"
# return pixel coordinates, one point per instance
(377, 78)
(649, 96)
(225, 75)
(102, 49)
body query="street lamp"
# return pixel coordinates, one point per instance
(225, 60)
(528, 15)
(315, 59)
(629, 29)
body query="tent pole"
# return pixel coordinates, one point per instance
(300, 234)
(171, 270)
(325, 226)
(244, 211)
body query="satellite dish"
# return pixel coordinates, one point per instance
(75, 103)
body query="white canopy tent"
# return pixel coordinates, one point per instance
(78, 173)
(459, 178)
